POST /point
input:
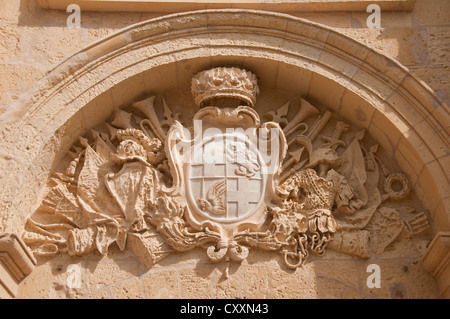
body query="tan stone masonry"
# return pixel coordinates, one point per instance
(59, 83)
(186, 5)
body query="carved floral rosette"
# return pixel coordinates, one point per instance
(156, 186)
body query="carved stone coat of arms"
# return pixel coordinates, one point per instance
(227, 181)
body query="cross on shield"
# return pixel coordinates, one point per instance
(225, 179)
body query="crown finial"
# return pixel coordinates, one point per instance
(222, 86)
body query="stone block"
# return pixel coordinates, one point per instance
(405, 110)
(437, 78)
(436, 260)
(97, 34)
(9, 11)
(414, 150)
(100, 294)
(50, 279)
(320, 84)
(431, 12)
(15, 80)
(399, 279)
(298, 284)
(254, 281)
(356, 110)
(161, 284)
(345, 67)
(227, 287)
(434, 181)
(439, 44)
(106, 272)
(407, 45)
(119, 20)
(127, 289)
(441, 216)
(196, 283)
(292, 80)
(343, 272)
(388, 123)
(331, 19)
(387, 67)
(386, 145)
(388, 19)
(52, 45)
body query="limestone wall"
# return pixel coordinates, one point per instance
(33, 42)
(261, 276)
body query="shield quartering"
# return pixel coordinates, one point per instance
(229, 185)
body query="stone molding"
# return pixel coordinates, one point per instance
(16, 262)
(32, 138)
(436, 260)
(186, 5)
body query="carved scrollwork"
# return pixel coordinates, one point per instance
(135, 182)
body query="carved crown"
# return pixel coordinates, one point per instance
(225, 83)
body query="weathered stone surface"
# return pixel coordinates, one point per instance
(437, 77)
(388, 19)
(100, 294)
(435, 260)
(127, 289)
(274, 5)
(10, 43)
(255, 281)
(50, 280)
(225, 283)
(161, 284)
(399, 279)
(103, 273)
(431, 12)
(15, 80)
(195, 283)
(301, 284)
(408, 45)
(361, 86)
(439, 43)
(51, 46)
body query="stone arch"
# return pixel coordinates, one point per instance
(300, 57)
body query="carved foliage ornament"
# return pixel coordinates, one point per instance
(226, 182)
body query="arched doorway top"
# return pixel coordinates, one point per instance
(303, 58)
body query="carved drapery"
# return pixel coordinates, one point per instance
(127, 182)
